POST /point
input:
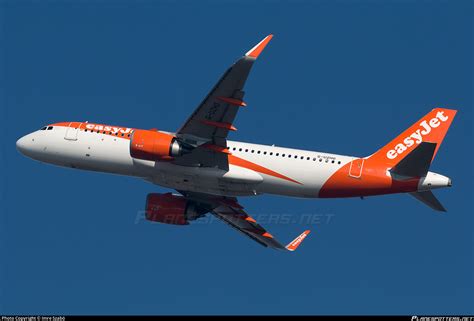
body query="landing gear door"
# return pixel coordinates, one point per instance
(355, 170)
(71, 131)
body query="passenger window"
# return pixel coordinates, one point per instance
(271, 153)
(282, 155)
(277, 154)
(258, 152)
(339, 162)
(246, 150)
(240, 149)
(320, 159)
(252, 150)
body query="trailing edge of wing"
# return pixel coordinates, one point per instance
(231, 212)
(212, 120)
(248, 226)
(257, 50)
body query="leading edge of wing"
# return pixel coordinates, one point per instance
(258, 48)
(221, 104)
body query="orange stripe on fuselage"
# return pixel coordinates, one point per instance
(116, 131)
(237, 161)
(233, 160)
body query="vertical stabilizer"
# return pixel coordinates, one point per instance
(431, 128)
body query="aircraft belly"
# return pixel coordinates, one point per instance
(235, 182)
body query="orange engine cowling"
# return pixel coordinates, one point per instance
(155, 146)
(172, 209)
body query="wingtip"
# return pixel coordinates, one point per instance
(293, 245)
(257, 50)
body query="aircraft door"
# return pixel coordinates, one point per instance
(71, 131)
(355, 170)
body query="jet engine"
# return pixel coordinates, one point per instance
(172, 209)
(156, 146)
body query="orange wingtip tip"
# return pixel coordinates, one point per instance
(297, 241)
(257, 50)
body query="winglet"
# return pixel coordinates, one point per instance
(293, 245)
(257, 50)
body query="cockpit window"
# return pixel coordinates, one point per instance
(50, 127)
(44, 128)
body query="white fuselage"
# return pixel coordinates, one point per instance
(253, 168)
(303, 175)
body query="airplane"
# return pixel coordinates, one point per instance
(209, 171)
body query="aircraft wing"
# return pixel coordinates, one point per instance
(231, 212)
(213, 118)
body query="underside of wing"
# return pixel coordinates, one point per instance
(205, 155)
(231, 212)
(212, 120)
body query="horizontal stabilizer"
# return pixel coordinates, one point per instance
(416, 163)
(429, 199)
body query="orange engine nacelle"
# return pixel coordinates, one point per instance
(155, 146)
(172, 209)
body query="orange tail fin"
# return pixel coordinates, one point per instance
(431, 128)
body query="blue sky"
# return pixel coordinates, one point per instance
(339, 76)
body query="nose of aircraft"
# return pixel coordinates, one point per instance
(23, 145)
